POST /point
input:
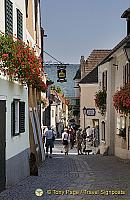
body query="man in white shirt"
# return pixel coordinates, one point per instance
(49, 135)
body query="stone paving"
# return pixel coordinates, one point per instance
(74, 177)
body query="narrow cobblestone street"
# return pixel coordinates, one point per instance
(86, 177)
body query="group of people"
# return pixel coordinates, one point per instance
(68, 137)
(83, 139)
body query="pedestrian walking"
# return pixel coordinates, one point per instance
(84, 135)
(88, 141)
(65, 141)
(89, 132)
(50, 137)
(79, 141)
(72, 134)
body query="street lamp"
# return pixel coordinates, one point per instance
(84, 112)
(127, 50)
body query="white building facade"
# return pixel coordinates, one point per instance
(14, 130)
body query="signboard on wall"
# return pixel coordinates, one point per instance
(90, 111)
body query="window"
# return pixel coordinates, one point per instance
(126, 73)
(26, 4)
(104, 80)
(8, 17)
(78, 102)
(36, 13)
(19, 25)
(103, 131)
(17, 117)
(121, 123)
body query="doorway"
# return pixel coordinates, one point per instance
(2, 144)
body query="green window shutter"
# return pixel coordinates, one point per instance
(19, 25)
(13, 119)
(21, 117)
(8, 17)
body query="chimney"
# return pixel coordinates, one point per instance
(126, 15)
(82, 66)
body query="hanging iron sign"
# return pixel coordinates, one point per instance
(61, 73)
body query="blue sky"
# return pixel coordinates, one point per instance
(76, 27)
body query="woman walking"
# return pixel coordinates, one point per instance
(79, 141)
(65, 141)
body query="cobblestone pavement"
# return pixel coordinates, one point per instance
(74, 177)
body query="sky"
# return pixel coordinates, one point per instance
(75, 27)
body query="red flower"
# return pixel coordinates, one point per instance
(21, 63)
(121, 99)
(5, 55)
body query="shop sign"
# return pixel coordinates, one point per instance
(90, 111)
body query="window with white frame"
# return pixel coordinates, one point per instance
(17, 117)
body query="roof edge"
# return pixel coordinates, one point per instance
(106, 59)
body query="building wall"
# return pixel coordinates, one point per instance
(21, 7)
(121, 145)
(53, 116)
(87, 96)
(117, 145)
(16, 168)
(2, 16)
(33, 35)
(108, 117)
(30, 20)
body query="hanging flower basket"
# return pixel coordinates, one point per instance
(121, 100)
(18, 62)
(100, 101)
